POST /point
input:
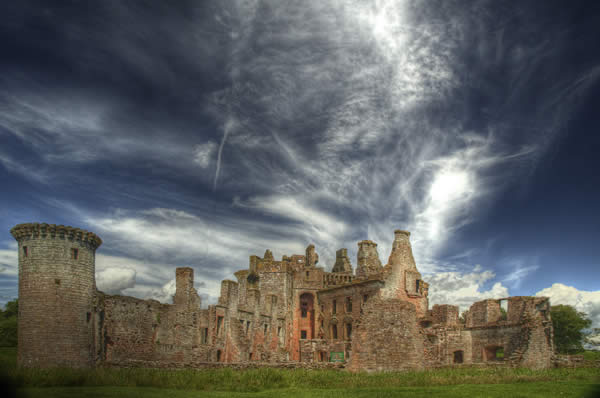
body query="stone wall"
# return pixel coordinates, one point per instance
(277, 312)
(386, 337)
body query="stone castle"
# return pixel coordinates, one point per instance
(287, 312)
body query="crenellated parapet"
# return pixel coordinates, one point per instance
(42, 230)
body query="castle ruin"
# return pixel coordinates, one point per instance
(288, 311)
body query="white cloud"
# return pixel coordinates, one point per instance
(583, 301)
(9, 260)
(113, 280)
(203, 153)
(164, 294)
(463, 289)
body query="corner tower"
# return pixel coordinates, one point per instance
(57, 287)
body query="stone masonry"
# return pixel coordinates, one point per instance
(288, 312)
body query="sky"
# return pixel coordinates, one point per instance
(198, 133)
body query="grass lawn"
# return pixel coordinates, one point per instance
(268, 382)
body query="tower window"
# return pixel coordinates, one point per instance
(334, 332)
(25, 251)
(303, 334)
(74, 253)
(334, 306)
(348, 304)
(348, 331)
(219, 324)
(266, 327)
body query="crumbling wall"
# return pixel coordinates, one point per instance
(386, 337)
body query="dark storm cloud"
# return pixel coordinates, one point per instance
(197, 133)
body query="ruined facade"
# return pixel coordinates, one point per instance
(276, 311)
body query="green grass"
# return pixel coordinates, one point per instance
(268, 382)
(591, 355)
(529, 390)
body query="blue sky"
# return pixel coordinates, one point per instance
(199, 133)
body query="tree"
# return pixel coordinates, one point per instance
(568, 324)
(8, 324)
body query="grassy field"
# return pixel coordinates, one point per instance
(265, 382)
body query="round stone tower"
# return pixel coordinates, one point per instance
(57, 287)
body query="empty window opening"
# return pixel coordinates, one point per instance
(348, 331)
(503, 310)
(334, 310)
(334, 332)
(303, 334)
(88, 316)
(247, 326)
(348, 304)
(74, 253)
(304, 309)
(458, 357)
(417, 285)
(265, 329)
(218, 355)
(219, 324)
(250, 355)
(494, 353)
(204, 336)
(322, 356)
(307, 274)
(25, 251)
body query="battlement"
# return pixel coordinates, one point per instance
(401, 232)
(36, 231)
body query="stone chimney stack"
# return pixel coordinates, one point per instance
(342, 262)
(368, 262)
(185, 294)
(401, 254)
(312, 258)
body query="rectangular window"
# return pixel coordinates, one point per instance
(74, 253)
(25, 251)
(247, 326)
(280, 335)
(348, 331)
(219, 324)
(204, 336)
(334, 332)
(348, 304)
(266, 327)
(303, 334)
(303, 312)
(417, 285)
(334, 307)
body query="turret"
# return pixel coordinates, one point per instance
(57, 288)
(368, 262)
